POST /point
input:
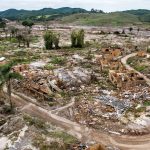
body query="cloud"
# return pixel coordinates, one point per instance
(106, 5)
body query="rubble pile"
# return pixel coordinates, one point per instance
(119, 105)
(125, 79)
(92, 114)
(34, 82)
(110, 59)
(74, 78)
(42, 83)
(138, 94)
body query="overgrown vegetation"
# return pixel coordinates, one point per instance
(51, 39)
(77, 38)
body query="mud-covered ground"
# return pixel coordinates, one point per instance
(98, 103)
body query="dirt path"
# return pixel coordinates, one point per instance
(81, 132)
(124, 61)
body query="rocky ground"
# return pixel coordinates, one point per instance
(52, 78)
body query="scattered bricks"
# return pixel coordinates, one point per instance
(97, 147)
(116, 53)
(104, 64)
(20, 68)
(110, 59)
(141, 54)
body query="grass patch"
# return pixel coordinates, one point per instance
(148, 50)
(129, 61)
(146, 103)
(140, 68)
(41, 143)
(34, 121)
(49, 67)
(67, 139)
(58, 60)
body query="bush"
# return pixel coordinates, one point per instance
(50, 39)
(56, 40)
(74, 38)
(77, 39)
(80, 39)
(148, 50)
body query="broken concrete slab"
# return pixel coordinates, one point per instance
(74, 77)
(38, 64)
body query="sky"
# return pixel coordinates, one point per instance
(105, 5)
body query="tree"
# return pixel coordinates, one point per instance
(23, 37)
(27, 23)
(96, 11)
(13, 31)
(2, 24)
(6, 75)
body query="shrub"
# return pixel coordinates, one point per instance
(50, 39)
(74, 38)
(80, 39)
(148, 50)
(56, 40)
(77, 38)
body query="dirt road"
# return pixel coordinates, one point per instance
(81, 132)
(124, 61)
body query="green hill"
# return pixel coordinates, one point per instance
(81, 16)
(143, 15)
(14, 14)
(116, 18)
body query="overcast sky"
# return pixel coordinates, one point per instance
(106, 5)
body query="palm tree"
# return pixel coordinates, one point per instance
(6, 75)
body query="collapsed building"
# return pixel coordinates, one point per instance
(34, 82)
(42, 83)
(110, 59)
(125, 79)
